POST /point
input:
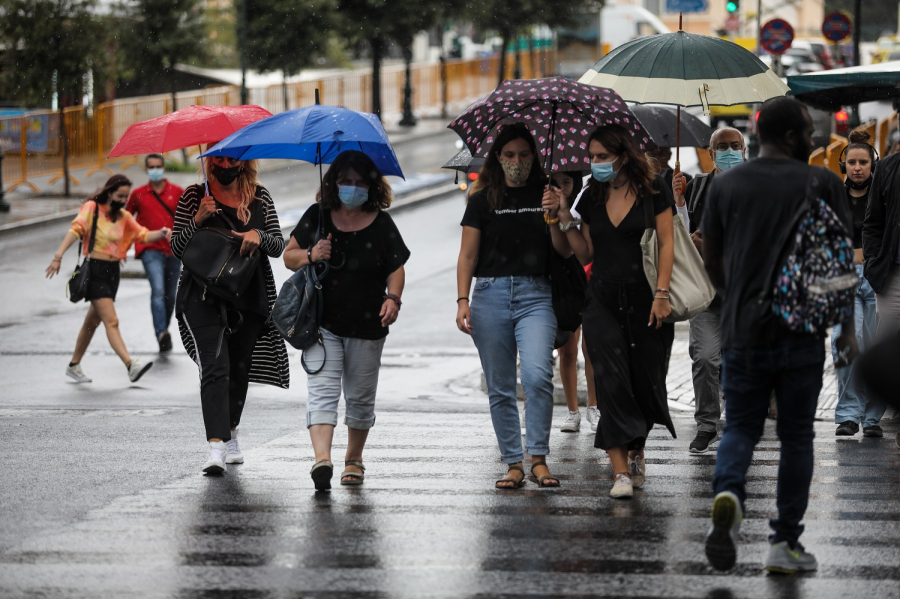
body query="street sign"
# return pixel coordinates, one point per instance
(836, 26)
(776, 36)
(687, 5)
(732, 23)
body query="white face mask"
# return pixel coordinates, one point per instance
(156, 174)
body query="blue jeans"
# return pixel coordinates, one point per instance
(793, 369)
(162, 272)
(511, 314)
(853, 405)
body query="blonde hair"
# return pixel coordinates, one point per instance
(246, 181)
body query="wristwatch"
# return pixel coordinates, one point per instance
(570, 225)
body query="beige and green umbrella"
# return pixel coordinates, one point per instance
(685, 69)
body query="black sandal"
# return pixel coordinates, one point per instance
(516, 482)
(321, 474)
(542, 481)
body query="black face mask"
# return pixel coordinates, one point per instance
(862, 185)
(225, 176)
(116, 206)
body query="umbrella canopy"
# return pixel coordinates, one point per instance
(315, 134)
(559, 113)
(830, 90)
(661, 123)
(187, 127)
(685, 69)
(463, 162)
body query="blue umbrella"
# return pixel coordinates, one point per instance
(315, 134)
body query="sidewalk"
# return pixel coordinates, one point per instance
(30, 209)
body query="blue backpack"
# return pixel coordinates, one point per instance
(815, 281)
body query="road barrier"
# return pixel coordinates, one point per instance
(33, 143)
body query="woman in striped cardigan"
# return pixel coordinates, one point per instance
(252, 350)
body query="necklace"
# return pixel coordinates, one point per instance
(620, 186)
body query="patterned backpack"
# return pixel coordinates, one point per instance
(816, 280)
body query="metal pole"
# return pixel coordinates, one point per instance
(4, 205)
(243, 33)
(857, 59)
(759, 27)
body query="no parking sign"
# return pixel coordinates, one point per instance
(836, 26)
(776, 36)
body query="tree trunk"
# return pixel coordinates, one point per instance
(409, 119)
(64, 140)
(517, 68)
(531, 59)
(501, 69)
(284, 89)
(171, 73)
(377, 44)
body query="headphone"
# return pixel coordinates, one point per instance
(843, 163)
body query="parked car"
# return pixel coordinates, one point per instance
(884, 47)
(819, 49)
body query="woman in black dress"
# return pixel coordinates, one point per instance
(627, 340)
(246, 348)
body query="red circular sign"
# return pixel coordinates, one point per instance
(836, 26)
(776, 36)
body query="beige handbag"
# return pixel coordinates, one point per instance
(690, 290)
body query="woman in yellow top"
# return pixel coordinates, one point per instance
(116, 232)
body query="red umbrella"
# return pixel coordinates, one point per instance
(187, 127)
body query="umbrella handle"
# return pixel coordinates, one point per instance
(203, 170)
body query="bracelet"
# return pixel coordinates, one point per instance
(396, 298)
(57, 258)
(661, 297)
(550, 221)
(309, 255)
(461, 299)
(569, 225)
(662, 290)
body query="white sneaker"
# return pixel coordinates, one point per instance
(637, 468)
(136, 370)
(622, 487)
(75, 372)
(593, 416)
(216, 462)
(784, 560)
(572, 423)
(233, 453)
(721, 540)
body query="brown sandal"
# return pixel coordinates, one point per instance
(548, 480)
(354, 478)
(517, 483)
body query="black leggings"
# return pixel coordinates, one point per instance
(223, 379)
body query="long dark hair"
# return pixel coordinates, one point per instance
(380, 194)
(637, 168)
(491, 177)
(102, 196)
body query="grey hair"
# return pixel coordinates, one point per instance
(715, 134)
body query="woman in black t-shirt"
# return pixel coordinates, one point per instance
(246, 348)
(629, 357)
(361, 298)
(505, 245)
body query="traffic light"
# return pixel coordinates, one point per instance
(732, 6)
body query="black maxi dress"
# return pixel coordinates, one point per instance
(630, 359)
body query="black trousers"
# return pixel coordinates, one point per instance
(223, 379)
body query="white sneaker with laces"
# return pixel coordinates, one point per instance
(233, 453)
(572, 423)
(622, 487)
(216, 462)
(136, 370)
(593, 416)
(637, 468)
(75, 372)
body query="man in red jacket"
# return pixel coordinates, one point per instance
(153, 205)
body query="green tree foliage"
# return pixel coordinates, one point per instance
(40, 37)
(155, 35)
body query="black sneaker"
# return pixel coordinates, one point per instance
(165, 342)
(847, 429)
(873, 431)
(702, 441)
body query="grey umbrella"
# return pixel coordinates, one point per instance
(660, 122)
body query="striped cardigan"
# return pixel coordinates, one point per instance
(270, 361)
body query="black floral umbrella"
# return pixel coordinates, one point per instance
(561, 114)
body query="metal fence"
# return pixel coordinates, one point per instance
(33, 142)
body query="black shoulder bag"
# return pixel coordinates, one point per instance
(569, 285)
(81, 277)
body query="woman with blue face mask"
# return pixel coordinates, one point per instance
(627, 340)
(361, 299)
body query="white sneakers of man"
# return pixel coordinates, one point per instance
(136, 369)
(593, 416)
(622, 487)
(572, 423)
(75, 372)
(216, 462)
(637, 469)
(233, 453)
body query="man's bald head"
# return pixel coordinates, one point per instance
(714, 138)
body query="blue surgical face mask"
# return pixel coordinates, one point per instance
(725, 159)
(156, 174)
(603, 171)
(352, 196)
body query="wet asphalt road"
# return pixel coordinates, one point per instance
(101, 493)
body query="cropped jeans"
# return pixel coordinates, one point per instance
(162, 271)
(853, 403)
(510, 315)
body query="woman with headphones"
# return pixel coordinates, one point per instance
(854, 408)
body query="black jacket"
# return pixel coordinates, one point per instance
(880, 229)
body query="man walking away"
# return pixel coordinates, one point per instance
(747, 223)
(726, 148)
(153, 205)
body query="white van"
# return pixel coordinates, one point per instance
(579, 48)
